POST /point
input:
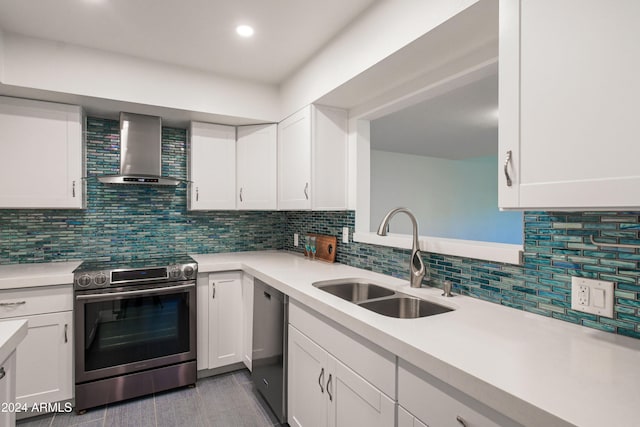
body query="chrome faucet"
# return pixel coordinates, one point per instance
(417, 269)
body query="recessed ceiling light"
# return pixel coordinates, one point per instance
(244, 30)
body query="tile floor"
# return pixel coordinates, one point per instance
(227, 400)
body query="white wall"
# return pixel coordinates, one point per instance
(1, 56)
(59, 67)
(451, 198)
(385, 28)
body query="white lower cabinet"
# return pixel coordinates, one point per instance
(47, 378)
(406, 419)
(437, 404)
(220, 319)
(8, 389)
(44, 359)
(247, 322)
(323, 390)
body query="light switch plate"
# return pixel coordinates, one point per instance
(592, 296)
(345, 234)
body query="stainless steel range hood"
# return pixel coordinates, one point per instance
(140, 152)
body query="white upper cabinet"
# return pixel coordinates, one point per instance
(212, 167)
(568, 104)
(256, 167)
(42, 155)
(312, 160)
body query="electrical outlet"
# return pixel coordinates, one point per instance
(345, 234)
(583, 294)
(295, 239)
(592, 296)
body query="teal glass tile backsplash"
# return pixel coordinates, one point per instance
(556, 248)
(134, 220)
(144, 221)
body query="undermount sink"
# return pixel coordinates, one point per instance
(381, 300)
(354, 290)
(404, 307)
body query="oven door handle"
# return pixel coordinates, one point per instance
(110, 295)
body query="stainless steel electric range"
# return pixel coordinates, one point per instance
(135, 328)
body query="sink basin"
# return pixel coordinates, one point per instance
(405, 307)
(354, 290)
(381, 300)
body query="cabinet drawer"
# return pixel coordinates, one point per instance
(367, 359)
(439, 405)
(40, 300)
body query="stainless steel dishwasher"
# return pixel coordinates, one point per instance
(269, 357)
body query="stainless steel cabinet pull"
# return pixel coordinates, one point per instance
(506, 168)
(461, 420)
(197, 194)
(321, 380)
(73, 189)
(2, 372)
(66, 339)
(10, 304)
(213, 291)
(306, 190)
(240, 193)
(329, 389)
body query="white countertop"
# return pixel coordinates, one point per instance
(31, 275)
(12, 332)
(535, 370)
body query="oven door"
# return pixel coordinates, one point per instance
(134, 329)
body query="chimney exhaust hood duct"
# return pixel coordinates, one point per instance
(140, 152)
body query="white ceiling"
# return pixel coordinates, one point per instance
(193, 33)
(462, 123)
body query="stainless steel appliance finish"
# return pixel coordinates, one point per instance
(269, 358)
(417, 269)
(135, 330)
(140, 152)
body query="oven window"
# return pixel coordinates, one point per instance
(135, 329)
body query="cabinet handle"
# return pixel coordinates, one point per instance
(241, 194)
(306, 190)
(197, 194)
(213, 291)
(10, 304)
(73, 189)
(66, 327)
(321, 380)
(2, 372)
(461, 420)
(506, 168)
(329, 389)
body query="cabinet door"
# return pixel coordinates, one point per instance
(307, 379)
(569, 96)
(256, 167)
(225, 319)
(212, 167)
(405, 419)
(247, 322)
(294, 161)
(41, 152)
(329, 158)
(8, 389)
(203, 296)
(44, 359)
(354, 401)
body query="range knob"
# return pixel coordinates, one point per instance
(100, 279)
(174, 273)
(188, 271)
(84, 280)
